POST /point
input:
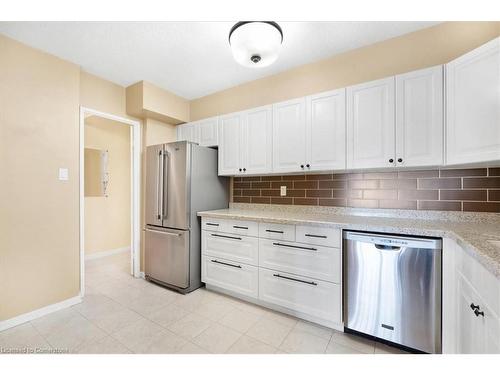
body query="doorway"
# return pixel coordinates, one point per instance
(109, 179)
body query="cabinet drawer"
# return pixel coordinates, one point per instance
(212, 224)
(244, 227)
(319, 262)
(322, 236)
(284, 232)
(236, 277)
(231, 246)
(317, 298)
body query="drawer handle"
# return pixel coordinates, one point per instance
(315, 235)
(230, 237)
(226, 264)
(295, 247)
(294, 279)
(274, 231)
(476, 309)
(238, 227)
(213, 224)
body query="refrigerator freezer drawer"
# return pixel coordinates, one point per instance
(167, 256)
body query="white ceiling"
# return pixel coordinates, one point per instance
(191, 59)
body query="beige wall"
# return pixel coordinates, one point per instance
(424, 48)
(102, 95)
(39, 223)
(149, 101)
(107, 218)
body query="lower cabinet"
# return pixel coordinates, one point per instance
(305, 295)
(471, 296)
(235, 277)
(267, 265)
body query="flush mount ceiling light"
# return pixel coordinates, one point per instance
(255, 44)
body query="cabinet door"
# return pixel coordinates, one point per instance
(419, 118)
(326, 131)
(472, 106)
(470, 336)
(230, 131)
(289, 132)
(208, 132)
(370, 124)
(257, 140)
(188, 132)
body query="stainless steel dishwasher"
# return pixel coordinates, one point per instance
(392, 288)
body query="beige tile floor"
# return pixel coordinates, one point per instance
(121, 314)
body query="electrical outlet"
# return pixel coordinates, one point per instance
(283, 191)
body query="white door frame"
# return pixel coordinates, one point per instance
(135, 153)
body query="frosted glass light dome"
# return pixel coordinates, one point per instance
(255, 44)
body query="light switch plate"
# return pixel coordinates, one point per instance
(63, 174)
(283, 191)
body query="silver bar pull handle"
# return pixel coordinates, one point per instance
(295, 246)
(223, 236)
(239, 227)
(163, 232)
(225, 264)
(164, 193)
(274, 231)
(213, 224)
(315, 235)
(294, 279)
(159, 208)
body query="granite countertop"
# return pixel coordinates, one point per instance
(471, 232)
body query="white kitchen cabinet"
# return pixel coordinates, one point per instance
(313, 297)
(326, 131)
(471, 296)
(230, 139)
(289, 136)
(246, 142)
(235, 277)
(473, 106)
(188, 132)
(419, 118)
(203, 132)
(208, 131)
(257, 143)
(370, 124)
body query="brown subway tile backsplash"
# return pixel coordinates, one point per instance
(482, 182)
(439, 183)
(474, 189)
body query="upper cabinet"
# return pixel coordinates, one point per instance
(203, 132)
(188, 132)
(289, 136)
(396, 121)
(419, 118)
(473, 106)
(208, 132)
(257, 143)
(230, 140)
(326, 131)
(246, 142)
(370, 124)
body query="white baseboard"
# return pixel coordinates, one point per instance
(20, 319)
(106, 253)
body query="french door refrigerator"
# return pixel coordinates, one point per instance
(181, 179)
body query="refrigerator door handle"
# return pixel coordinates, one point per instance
(159, 207)
(164, 192)
(163, 232)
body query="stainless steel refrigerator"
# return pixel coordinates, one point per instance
(181, 179)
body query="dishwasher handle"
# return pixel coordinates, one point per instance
(387, 247)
